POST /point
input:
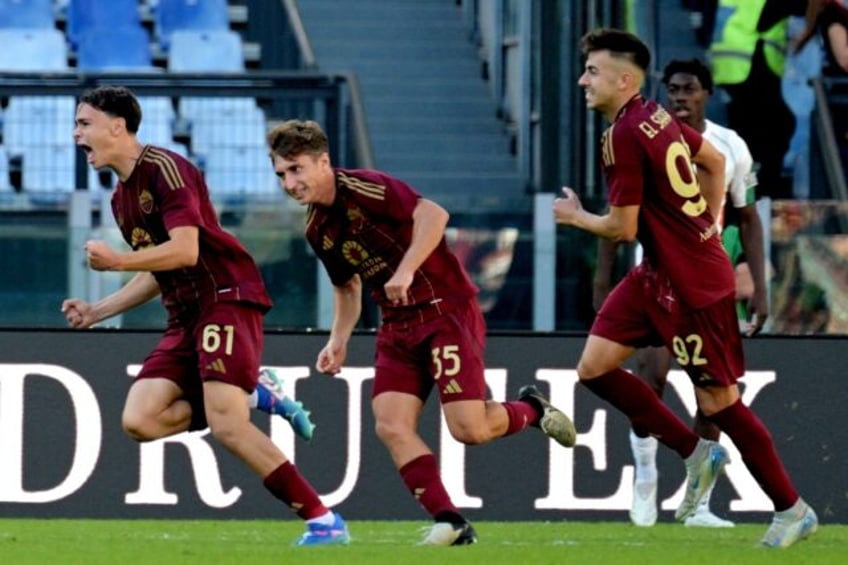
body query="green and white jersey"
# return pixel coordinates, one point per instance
(738, 164)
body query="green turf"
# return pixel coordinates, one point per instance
(168, 542)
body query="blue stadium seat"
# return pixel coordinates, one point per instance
(114, 49)
(34, 50)
(27, 14)
(157, 120)
(180, 15)
(239, 170)
(85, 14)
(49, 168)
(38, 130)
(5, 184)
(38, 120)
(217, 122)
(206, 51)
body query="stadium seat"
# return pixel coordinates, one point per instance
(86, 14)
(239, 170)
(206, 51)
(49, 168)
(34, 50)
(157, 120)
(5, 184)
(115, 49)
(176, 15)
(38, 130)
(225, 121)
(37, 120)
(27, 14)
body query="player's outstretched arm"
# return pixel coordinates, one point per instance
(621, 223)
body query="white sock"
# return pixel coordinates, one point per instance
(327, 519)
(644, 451)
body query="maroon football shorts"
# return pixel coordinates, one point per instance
(223, 343)
(446, 351)
(705, 343)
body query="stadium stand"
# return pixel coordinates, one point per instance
(26, 14)
(224, 121)
(36, 128)
(180, 15)
(125, 48)
(5, 184)
(227, 133)
(87, 14)
(206, 50)
(425, 101)
(35, 49)
(235, 170)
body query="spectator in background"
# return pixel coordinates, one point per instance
(802, 66)
(829, 20)
(748, 55)
(688, 88)
(682, 293)
(206, 364)
(368, 227)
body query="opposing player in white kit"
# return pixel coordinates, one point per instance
(688, 87)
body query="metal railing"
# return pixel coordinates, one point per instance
(826, 93)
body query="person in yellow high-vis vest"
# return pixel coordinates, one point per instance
(747, 55)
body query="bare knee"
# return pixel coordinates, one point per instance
(586, 371)
(223, 429)
(714, 399)
(392, 432)
(139, 427)
(468, 434)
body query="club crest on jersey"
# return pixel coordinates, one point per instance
(354, 214)
(356, 219)
(145, 201)
(354, 253)
(140, 239)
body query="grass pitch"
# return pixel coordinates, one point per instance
(177, 542)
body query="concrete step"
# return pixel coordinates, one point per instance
(441, 107)
(448, 162)
(460, 86)
(452, 142)
(380, 122)
(386, 48)
(402, 69)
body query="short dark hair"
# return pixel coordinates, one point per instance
(117, 101)
(619, 43)
(293, 137)
(690, 67)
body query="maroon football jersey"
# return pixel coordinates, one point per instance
(647, 162)
(166, 191)
(368, 229)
